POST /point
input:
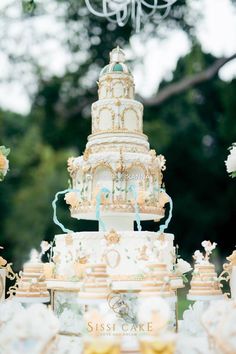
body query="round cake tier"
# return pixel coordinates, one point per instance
(115, 141)
(126, 253)
(116, 85)
(128, 183)
(117, 115)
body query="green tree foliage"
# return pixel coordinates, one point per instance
(193, 130)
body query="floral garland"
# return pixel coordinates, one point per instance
(231, 161)
(4, 162)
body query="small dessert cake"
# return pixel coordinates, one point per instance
(96, 283)
(31, 286)
(157, 283)
(205, 284)
(205, 281)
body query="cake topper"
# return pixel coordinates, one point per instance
(199, 257)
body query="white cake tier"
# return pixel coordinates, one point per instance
(131, 182)
(115, 115)
(116, 85)
(114, 142)
(126, 255)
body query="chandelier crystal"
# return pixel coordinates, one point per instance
(119, 11)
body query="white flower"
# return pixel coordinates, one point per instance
(45, 246)
(8, 309)
(182, 267)
(21, 331)
(231, 160)
(208, 246)
(192, 319)
(155, 310)
(198, 257)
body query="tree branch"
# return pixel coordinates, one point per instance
(188, 82)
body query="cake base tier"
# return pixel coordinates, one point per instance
(126, 253)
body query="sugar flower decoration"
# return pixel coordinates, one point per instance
(4, 162)
(162, 162)
(192, 319)
(198, 257)
(232, 263)
(209, 247)
(182, 267)
(45, 246)
(71, 198)
(231, 161)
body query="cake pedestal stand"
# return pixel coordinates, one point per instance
(205, 298)
(28, 301)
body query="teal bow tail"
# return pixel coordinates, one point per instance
(132, 189)
(54, 206)
(166, 224)
(98, 205)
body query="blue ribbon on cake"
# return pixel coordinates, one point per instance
(54, 206)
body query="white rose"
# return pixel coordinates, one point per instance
(198, 256)
(44, 245)
(182, 266)
(231, 160)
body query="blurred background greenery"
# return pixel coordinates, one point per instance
(192, 128)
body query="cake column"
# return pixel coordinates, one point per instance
(119, 223)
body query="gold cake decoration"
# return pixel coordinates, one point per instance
(112, 237)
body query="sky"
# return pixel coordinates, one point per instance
(216, 31)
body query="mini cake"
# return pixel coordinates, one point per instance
(31, 286)
(205, 283)
(96, 283)
(157, 282)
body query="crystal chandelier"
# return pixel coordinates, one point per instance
(119, 11)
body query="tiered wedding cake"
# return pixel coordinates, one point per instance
(117, 181)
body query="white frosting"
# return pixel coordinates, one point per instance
(121, 139)
(111, 157)
(123, 258)
(110, 114)
(119, 85)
